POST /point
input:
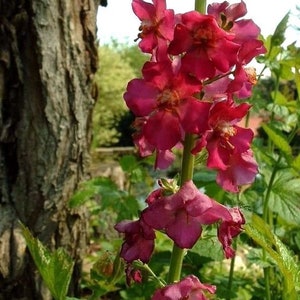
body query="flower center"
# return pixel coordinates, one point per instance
(251, 75)
(148, 26)
(168, 99)
(204, 35)
(226, 132)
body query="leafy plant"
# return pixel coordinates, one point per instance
(55, 267)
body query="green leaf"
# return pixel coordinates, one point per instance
(127, 208)
(55, 268)
(278, 36)
(278, 98)
(296, 163)
(297, 81)
(128, 163)
(260, 232)
(278, 139)
(208, 247)
(90, 188)
(284, 197)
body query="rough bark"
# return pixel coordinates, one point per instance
(47, 59)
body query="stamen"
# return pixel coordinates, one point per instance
(168, 99)
(251, 75)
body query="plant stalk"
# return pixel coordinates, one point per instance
(187, 169)
(200, 5)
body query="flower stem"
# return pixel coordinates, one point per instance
(187, 168)
(231, 273)
(200, 5)
(188, 159)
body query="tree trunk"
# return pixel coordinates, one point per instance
(47, 58)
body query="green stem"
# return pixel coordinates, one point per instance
(149, 270)
(188, 159)
(187, 168)
(230, 279)
(200, 5)
(267, 219)
(176, 264)
(267, 283)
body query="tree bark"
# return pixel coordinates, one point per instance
(47, 60)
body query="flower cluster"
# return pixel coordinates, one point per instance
(190, 86)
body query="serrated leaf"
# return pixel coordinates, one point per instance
(278, 36)
(55, 267)
(284, 197)
(209, 248)
(261, 233)
(278, 139)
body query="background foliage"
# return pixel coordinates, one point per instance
(111, 118)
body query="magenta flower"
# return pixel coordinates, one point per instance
(226, 14)
(246, 34)
(177, 214)
(228, 146)
(189, 288)
(165, 97)
(228, 17)
(164, 158)
(241, 170)
(243, 80)
(139, 240)
(225, 137)
(208, 47)
(157, 24)
(182, 214)
(229, 229)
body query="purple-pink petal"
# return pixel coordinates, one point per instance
(140, 97)
(163, 130)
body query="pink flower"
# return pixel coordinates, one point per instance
(241, 170)
(228, 17)
(139, 240)
(229, 229)
(182, 214)
(225, 13)
(228, 146)
(165, 97)
(225, 137)
(189, 288)
(243, 81)
(208, 47)
(164, 158)
(157, 24)
(177, 214)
